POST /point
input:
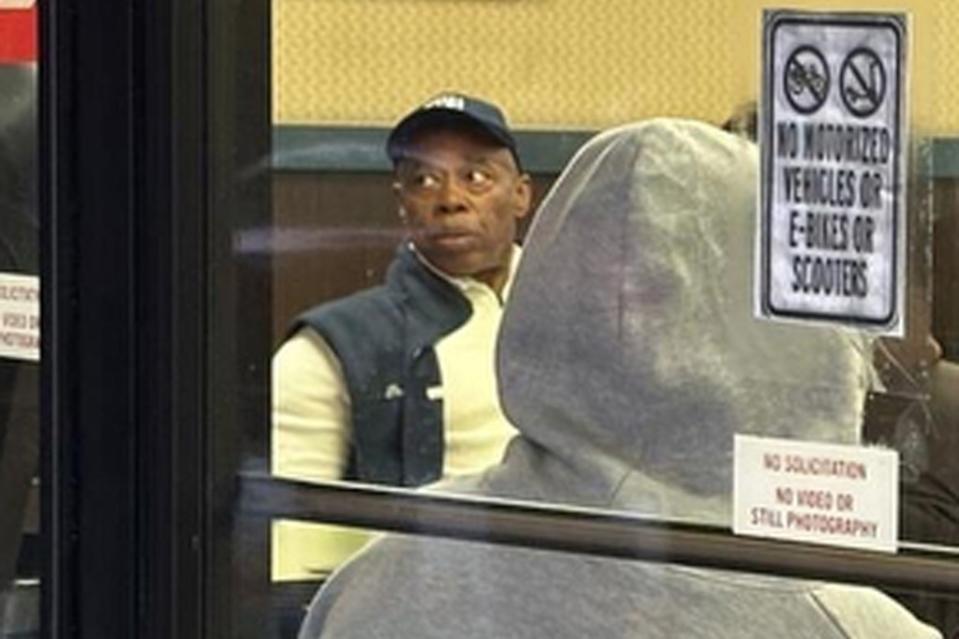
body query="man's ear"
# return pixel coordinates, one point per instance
(523, 195)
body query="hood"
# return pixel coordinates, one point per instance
(628, 354)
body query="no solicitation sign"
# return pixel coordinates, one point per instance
(832, 215)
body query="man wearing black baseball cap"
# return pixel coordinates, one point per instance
(453, 110)
(396, 384)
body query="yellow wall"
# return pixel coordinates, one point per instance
(562, 63)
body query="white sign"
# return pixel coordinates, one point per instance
(832, 216)
(818, 493)
(20, 316)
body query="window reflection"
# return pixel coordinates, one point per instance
(19, 329)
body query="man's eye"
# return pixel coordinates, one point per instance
(425, 181)
(476, 177)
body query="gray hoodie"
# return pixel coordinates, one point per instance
(628, 357)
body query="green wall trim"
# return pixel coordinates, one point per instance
(318, 148)
(361, 149)
(945, 157)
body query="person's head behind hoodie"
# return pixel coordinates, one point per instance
(629, 340)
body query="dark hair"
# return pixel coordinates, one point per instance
(744, 120)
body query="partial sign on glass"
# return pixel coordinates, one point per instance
(832, 218)
(20, 317)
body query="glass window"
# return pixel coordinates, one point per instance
(19, 325)
(495, 288)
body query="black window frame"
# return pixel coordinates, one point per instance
(123, 197)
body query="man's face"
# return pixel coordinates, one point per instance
(461, 196)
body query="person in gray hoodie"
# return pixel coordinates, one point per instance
(628, 358)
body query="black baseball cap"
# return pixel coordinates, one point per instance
(449, 110)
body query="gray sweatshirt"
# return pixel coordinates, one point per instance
(628, 357)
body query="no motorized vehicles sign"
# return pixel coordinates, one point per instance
(832, 218)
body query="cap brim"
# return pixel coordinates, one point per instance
(438, 118)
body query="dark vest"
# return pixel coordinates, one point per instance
(384, 339)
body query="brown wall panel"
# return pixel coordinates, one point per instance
(945, 317)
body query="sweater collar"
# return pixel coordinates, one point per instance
(465, 283)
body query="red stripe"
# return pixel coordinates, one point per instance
(18, 35)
